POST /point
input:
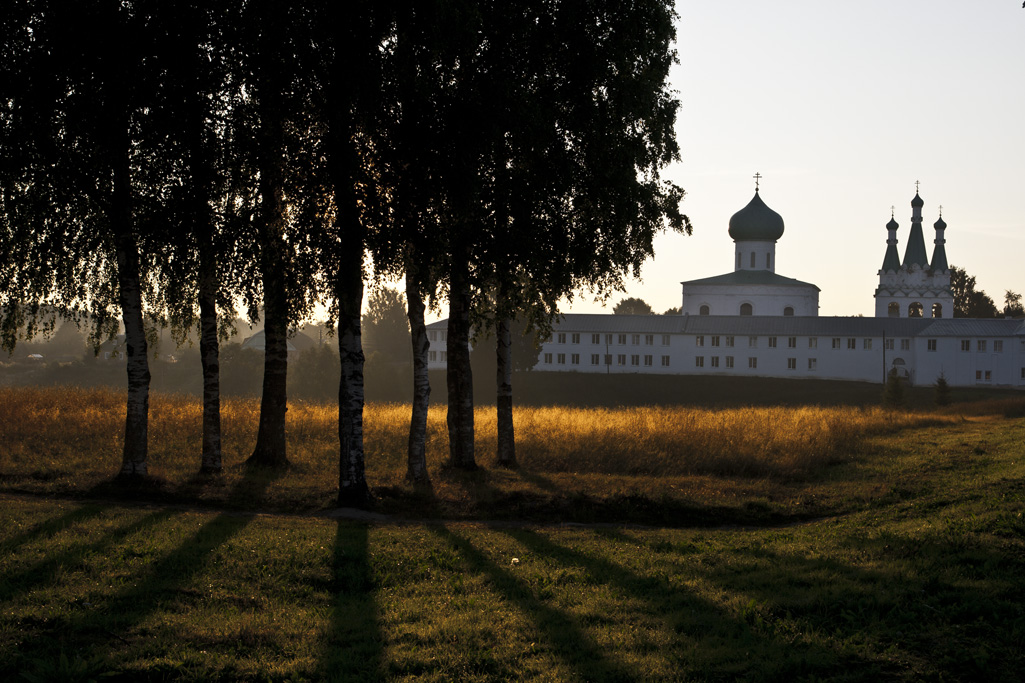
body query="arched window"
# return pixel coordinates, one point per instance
(937, 310)
(789, 310)
(704, 310)
(746, 309)
(893, 310)
(915, 309)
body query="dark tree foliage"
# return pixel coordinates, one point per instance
(942, 396)
(385, 326)
(632, 306)
(969, 302)
(675, 310)
(1012, 304)
(893, 391)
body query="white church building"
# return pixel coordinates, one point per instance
(756, 322)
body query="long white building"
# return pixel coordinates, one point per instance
(756, 323)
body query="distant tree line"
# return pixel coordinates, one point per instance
(166, 162)
(970, 302)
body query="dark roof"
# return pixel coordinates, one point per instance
(756, 222)
(749, 277)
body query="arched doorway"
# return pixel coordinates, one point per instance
(789, 310)
(746, 309)
(915, 309)
(704, 310)
(937, 310)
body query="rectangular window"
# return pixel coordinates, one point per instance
(813, 363)
(665, 362)
(715, 361)
(648, 361)
(575, 338)
(444, 335)
(930, 345)
(433, 357)
(548, 358)
(905, 344)
(752, 362)
(729, 361)
(621, 340)
(665, 340)
(989, 375)
(649, 340)
(998, 346)
(608, 340)
(715, 340)
(621, 359)
(729, 341)
(561, 358)
(836, 342)
(608, 359)
(752, 342)
(966, 344)
(596, 339)
(888, 345)
(978, 375)
(443, 356)
(852, 343)
(561, 338)
(791, 342)
(595, 359)
(635, 340)
(635, 360)
(868, 344)
(1023, 373)
(813, 342)
(791, 363)
(434, 335)
(699, 340)
(699, 361)
(575, 359)
(772, 342)
(981, 345)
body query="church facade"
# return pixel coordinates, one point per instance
(755, 322)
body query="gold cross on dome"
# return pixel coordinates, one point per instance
(916, 187)
(757, 177)
(941, 211)
(892, 209)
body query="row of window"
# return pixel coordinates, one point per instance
(980, 345)
(610, 339)
(434, 334)
(752, 362)
(435, 356)
(745, 309)
(596, 359)
(852, 343)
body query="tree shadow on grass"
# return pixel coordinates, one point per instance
(110, 626)
(50, 527)
(727, 644)
(568, 640)
(929, 607)
(353, 648)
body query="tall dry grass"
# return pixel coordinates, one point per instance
(65, 431)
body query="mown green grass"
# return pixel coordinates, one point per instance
(915, 575)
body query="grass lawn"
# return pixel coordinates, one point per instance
(901, 560)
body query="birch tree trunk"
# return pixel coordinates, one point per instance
(270, 440)
(352, 483)
(134, 458)
(209, 356)
(459, 375)
(504, 402)
(416, 456)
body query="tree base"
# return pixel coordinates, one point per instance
(357, 497)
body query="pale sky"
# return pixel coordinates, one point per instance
(842, 106)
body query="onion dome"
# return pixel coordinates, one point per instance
(756, 222)
(892, 225)
(940, 224)
(917, 202)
